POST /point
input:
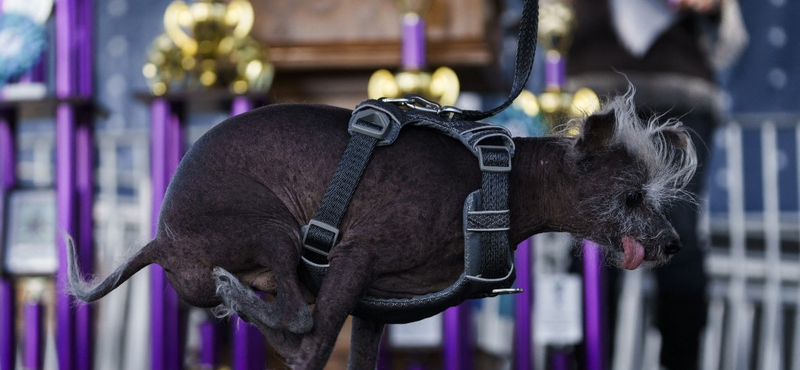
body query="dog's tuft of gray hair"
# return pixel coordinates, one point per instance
(665, 148)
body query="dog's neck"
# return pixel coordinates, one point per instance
(540, 177)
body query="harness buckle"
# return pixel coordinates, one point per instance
(484, 162)
(317, 245)
(419, 103)
(370, 122)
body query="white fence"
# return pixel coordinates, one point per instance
(754, 321)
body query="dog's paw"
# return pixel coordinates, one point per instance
(225, 281)
(222, 312)
(222, 276)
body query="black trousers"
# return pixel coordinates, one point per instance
(682, 284)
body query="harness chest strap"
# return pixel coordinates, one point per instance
(488, 260)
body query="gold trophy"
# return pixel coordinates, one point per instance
(207, 44)
(556, 21)
(441, 86)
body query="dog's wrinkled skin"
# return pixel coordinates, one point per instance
(230, 221)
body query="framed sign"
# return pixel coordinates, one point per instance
(29, 243)
(558, 309)
(426, 333)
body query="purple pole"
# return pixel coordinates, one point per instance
(7, 156)
(84, 188)
(164, 324)
(593, 303)
(555, 71)
(559, 360)
(159, 117)
(174, 150)
(32, 359)
(248, 346)
(208, 347)
(413, 45)
(523, 352)
(248, 343)
(7, 342)
(65, 194)
(65, 186)
(83, 38)
(452, 335)
(384, 356)
(457, 338)
(7, 180)
(73, 173)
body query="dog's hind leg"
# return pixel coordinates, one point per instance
(364, 344)
(268, 317)
(349, 274)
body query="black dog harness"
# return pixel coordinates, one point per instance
(488, 260)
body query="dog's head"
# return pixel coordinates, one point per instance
(631, 173)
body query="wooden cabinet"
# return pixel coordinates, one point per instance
(314, 34)
(325, 50)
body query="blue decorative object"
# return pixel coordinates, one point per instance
(520, 123)
(23, 42)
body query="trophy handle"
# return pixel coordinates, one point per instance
(382, 84)
(445, 86)
(584, 103)
(528, 103)
(240, 14)
(176, 17)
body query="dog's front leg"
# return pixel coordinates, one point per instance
(364, 344)
(348, 275)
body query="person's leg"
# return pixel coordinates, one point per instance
(682, 307)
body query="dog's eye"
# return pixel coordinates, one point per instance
(634, 198)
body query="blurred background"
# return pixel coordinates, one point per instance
(98, 99)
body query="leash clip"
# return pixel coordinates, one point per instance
(507, 291)
(419, 103)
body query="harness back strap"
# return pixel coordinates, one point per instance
(322, 233)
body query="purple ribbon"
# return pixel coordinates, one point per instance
(555, 71)
(413, 47)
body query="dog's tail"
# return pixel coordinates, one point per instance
(90, 290)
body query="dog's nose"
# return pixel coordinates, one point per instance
(672, 247)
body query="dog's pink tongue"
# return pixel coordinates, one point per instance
(634, 253)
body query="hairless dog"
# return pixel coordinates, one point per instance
(230, 221)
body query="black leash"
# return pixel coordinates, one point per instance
(526, 50)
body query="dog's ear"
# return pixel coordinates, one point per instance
(596, 132)
(677, 138)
